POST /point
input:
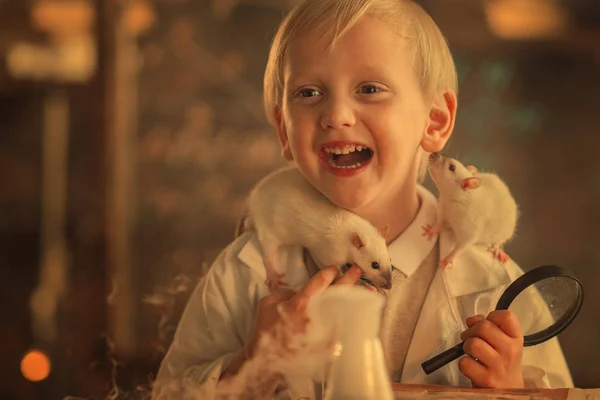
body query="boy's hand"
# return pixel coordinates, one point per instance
(494, 347)
(289, 307)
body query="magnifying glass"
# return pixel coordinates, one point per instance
(545, 300)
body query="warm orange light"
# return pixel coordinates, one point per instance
(63, 18)
(35, 366)
(526, 19)
(139, 16)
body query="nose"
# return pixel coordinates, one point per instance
(387, 281)
(337, 113)
(434, 156)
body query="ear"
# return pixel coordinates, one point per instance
(472, 169)
(384, 231)
(286, 152)
(440, 123)
(470, 183)
(357, 240)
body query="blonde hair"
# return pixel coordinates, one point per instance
(433, 64)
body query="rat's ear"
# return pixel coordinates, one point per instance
(440, 123)
(384, 231)
(470, 183)
(286, 152)
(472, 169)
(357, 240)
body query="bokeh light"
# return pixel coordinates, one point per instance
(35, 366)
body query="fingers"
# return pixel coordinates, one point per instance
(317, 284)
(489, 332)
(494, 349)
(350, 277)
(277, 297)
(508, 322)
(481, 351)
(476, 372)
(474, 319)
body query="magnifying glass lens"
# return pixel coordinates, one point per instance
(543, 303)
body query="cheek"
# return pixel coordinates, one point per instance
(298, 126)
(397, 126)
(293, 130)
(397, 142)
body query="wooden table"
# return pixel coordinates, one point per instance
(406, 391)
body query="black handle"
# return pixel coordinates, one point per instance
(442, 359)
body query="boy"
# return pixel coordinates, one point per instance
(373, 82)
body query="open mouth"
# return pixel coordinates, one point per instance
(349, 156)
(366, 280)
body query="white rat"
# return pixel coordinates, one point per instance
(478, 207)
(285, 209)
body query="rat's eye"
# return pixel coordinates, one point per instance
(375, 265)
(452, 167)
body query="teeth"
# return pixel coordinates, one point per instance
(344, 166)
(344, 150)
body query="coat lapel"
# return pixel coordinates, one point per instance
(440, 323)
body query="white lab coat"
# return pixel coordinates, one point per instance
(218, 320)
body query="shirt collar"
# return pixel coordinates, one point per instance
(409, 250)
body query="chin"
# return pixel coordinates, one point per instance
(349, 200)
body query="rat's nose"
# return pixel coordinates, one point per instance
(434, 156)
(387, 282)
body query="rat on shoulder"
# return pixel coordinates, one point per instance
(285, 209)
(477, 207)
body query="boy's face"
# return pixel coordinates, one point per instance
(362, 98)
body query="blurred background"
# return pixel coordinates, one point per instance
(131, 131)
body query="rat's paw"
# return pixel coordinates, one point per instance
(446, 263)
(429, 231)
(275, 285)
(499, 254)
(274, 280)
(503, 257)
